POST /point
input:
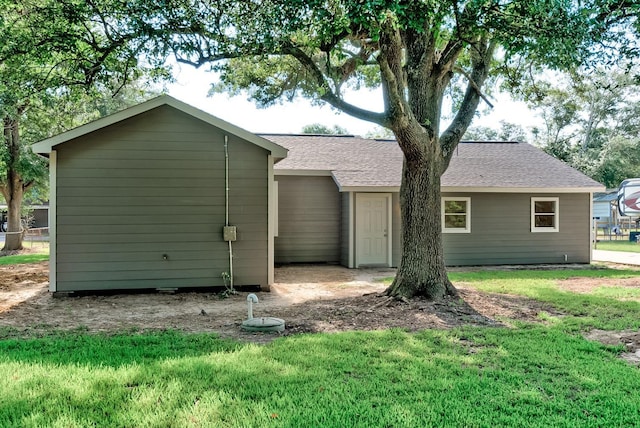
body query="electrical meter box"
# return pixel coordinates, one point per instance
(229, 233)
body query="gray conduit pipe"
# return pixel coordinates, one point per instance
(226, 207)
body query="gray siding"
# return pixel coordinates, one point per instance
(154, 185)
(501, 232)
(345, 229)
(40, 217)
(396, 227)
(308, 220)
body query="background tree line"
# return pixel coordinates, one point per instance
(590, 119)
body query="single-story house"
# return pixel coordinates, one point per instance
(163, 195)
(502, 203)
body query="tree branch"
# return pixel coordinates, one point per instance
(454, 45)
(329, 96)
(27, 186)
(352, 110)
(481, 60)
(392, 75)
(347, 69)
(473, 84)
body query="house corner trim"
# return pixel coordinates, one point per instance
(351, 229)
(53, 208)
(271, 221)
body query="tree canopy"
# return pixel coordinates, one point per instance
(48, 46)
(50, 50)
(590, 120)
(508, 132)
(318, 128)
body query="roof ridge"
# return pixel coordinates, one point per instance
(491, 142)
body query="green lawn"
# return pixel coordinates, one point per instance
(39, 252)
(607, 308)
(627, 246)
(534, 375)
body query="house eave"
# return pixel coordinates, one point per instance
(462, 189)
(303, 172)
(370, 189)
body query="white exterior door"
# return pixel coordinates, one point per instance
(373, 229)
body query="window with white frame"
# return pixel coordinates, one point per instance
(545, 215)
(456, 214)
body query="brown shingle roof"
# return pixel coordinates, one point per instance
(359, 162)
(513, 165)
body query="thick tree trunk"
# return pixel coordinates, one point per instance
(422, 270)
(13, 238)
(13, 187)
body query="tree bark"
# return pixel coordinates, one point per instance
(15, 233)
(422, 270)
(13, 188)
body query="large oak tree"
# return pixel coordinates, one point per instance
(417, 51)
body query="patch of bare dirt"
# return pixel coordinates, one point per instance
(629, 339)
(504, 306)
(309, 298)
(20, 283)
(588, 285)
